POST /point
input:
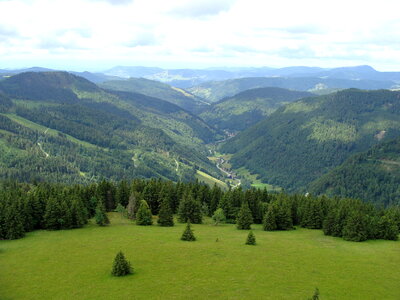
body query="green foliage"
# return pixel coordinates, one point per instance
(121, 210)
(143, 215)
(187, 234)
(101, 215)
(251, 238)
(244, 218)
(165, 216)
(121, 266)
(189, 210)
(316, 295)
(306, 139)
(133, 205)
(355, 228)
(269, 222)
(219, 216)
(248, 107)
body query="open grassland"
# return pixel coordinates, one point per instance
(255, 182)
(208, 179)
(76, 264)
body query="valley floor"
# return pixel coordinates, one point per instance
(76, 264)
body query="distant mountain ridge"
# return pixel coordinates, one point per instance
(248, 107)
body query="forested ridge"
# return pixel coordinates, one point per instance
(372, 176)
(59, 127)
(306, 139)
(27, 207)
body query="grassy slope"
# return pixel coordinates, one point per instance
(76, 264)
(208, 179)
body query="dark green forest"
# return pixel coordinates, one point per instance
(306, 139)
(26, 207)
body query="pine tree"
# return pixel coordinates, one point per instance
(52, 214)
(13, 223)
(121, 266)
(133, 205)
(219, 216)
(143, 215)
(355, 228)
(165, 216)
(251, 238)
(189, 210)
(269, 221)
(388, 229)
(100, 215)
(316, 295)
(188, 234)
(244, 218)
(78, 213)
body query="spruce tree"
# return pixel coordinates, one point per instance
(244, 218)
(101, 215)
(133, 205)
(121, 266)
(316, 295)
(219, 216)
(251, 238)
(13, 223)
(188, 234)
(78, 213)
(269, 221)
(189, 210)
(52, 214)
(143, 215)
(355, 228)
(165, 216)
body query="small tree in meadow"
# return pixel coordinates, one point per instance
(165, 216)
(101, 216)
(244, 218)
(219, 216)
(121, 266)
(188, 234)
(251, 238)
(316, 295)
(143, 215)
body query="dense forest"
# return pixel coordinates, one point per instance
(26, 207)
(306, 139)
(247, 108)
(373, 176)
(59, 127)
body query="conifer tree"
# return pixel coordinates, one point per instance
(13, 223)
(133, 205)
(244, 218)
(219, 216)
(387, 229)
(121, 266)
(188, 234)
(165, 216)
(189, 209)
(355, 228)
(78, 213)
(101, 215)
(143, 215)
(251, 238)
(316, 295)
(121, 210)
(269, 221)
(52, 214)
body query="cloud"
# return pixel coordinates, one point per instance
(145, 38)
(201, 8)
(115, 2)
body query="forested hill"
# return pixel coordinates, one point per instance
(56, 126)
(307, 138)
(373, 176)
(156, 89)
(249, 107)
(214, 91)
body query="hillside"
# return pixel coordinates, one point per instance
(155, 89)
(58, 126)
(373, 175)
(305, 139)
(216, 90)
(247, 108)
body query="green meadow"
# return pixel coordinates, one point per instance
(76, 264)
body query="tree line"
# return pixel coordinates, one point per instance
(25, 207)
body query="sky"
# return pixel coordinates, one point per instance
(96, 35)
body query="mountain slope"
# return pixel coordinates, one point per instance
(373, 176)
(249, 107)
(155, 89)
(305, 139)
(58, 121)
(216, 90)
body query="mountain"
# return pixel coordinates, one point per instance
(373, 176)
(216, 90)
(306, 139)
(156, 89)
(61, 127)
(247, 108)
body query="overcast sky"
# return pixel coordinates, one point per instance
(98, 34)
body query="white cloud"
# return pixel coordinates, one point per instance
(199, 33)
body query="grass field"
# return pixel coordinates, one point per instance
(208, 179)
(256, 182)
(76, 264)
